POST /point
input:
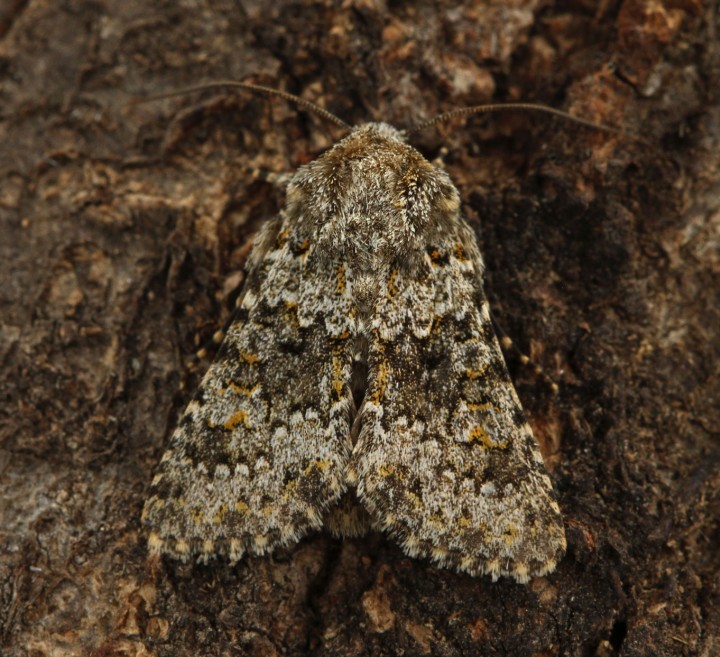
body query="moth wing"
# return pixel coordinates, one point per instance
(445, 460)
(259, 453)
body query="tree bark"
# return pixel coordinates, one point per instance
(124, 232)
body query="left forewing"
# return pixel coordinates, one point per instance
(259, 454)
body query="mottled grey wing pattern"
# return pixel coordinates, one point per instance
(366, 289)
(446, 462)
(260, 452)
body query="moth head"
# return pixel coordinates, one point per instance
(374, 195)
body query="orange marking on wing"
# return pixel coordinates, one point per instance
(282, 238)
(479, 435)
(241, 390)
(476, 374)
(392, 287)
(251, 359)
(220, 514)
(341, 283)
(338, 383)
(381, 381)
(241, 417)
(291, 308)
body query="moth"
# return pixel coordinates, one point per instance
(361, 386)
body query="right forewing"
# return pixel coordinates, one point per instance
(446, 461)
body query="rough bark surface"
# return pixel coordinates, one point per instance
(123, 234)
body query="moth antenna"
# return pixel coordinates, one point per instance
(496, 107)
(255, 88)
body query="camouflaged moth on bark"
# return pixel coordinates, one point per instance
(361, 386)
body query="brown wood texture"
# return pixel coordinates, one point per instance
(124, 231)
